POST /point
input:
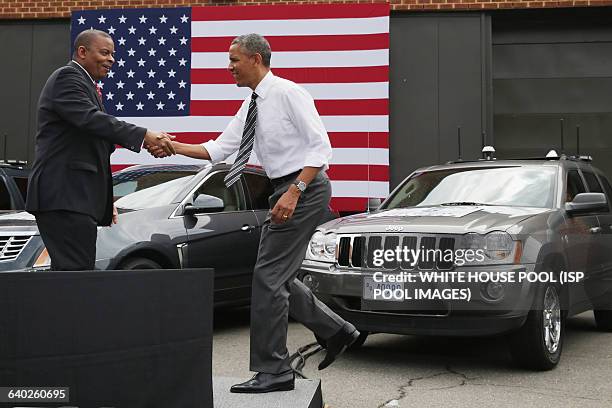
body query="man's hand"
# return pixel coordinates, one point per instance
(283, 210)
(159, 144)
(115, 215)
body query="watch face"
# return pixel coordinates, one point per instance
(300, 185)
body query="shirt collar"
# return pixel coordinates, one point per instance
(264, 85)
(84, 70)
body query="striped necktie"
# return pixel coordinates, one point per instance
(246, 145)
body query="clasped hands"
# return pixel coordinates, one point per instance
(159, 144)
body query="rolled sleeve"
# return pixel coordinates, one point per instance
(228, 142)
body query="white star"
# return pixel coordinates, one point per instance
(120, 85)
(132, 30)
(182, 62)
(152, 52)
(183, 41)
(181, 106)
(139, 106)
(111, 30)
(101, 84)
(122, 41)
(119, 106)
(182, 84)
(102, 20)
(161, 84)
(140, 84)
(109, 96)
(129, 96)
(151, 73)
(150, 95)
(160, 106)
(171, 73)
(81, 20)
(143, 19)
(111, 74)
(121, 62)
(173, 30)
(130, 74)
(163, 19)
(171, 95)
(184, 19)
(161, 62)
(162, 41)
(122, 19)
(172, 52)
(152, 30)
(131, 52)
(141, 62)
(141, 41)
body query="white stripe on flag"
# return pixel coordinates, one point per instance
(378, 189)
(362, 90)
(361, 123)
(339, 156)
(301, 59)
(324, 26)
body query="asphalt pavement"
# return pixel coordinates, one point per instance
(413, 371)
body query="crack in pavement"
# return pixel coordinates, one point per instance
(465, 380)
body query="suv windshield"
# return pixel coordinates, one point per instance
(516, 186)
(156, 196)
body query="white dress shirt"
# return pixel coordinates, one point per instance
(289, 134)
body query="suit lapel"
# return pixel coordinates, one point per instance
(91, 87)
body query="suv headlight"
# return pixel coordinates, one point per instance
(322, 247)
(494, 247)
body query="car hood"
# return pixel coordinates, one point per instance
(21, 219)
(435, 219)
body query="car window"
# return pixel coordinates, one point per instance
(607, 188)
(528, 186)
(592, 182)
(574, 185)
(22, 185)
(6, 203)
(260, 189)
(215, 186)
(156, 196)
(127, 182)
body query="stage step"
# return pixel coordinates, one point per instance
(307, 394)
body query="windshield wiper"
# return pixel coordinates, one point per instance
(463, 203)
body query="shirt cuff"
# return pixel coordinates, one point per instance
(214, 151)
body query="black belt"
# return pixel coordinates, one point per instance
(285, 179)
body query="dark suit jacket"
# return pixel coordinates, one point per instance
(75, 138)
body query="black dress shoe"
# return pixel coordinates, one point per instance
(264, 382)
(338, 343)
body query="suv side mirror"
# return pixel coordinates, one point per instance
(374, 203)
(204, 203)
(586, 202)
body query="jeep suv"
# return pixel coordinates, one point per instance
(535, 218)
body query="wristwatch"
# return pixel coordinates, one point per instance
(300, 185)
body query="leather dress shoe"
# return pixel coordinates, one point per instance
(338, 343)
(264, 382)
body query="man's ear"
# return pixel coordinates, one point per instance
(81, 51)
(258, 58)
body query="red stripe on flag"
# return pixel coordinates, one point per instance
(325, 107)
(301, 75)
(358, 172)
(292, 12)
(378, 140)
(301, 43)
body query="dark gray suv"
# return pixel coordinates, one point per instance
(536, 218)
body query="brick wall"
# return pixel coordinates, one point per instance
(24, 9)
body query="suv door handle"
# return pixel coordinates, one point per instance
(247, 228)
(595, 230)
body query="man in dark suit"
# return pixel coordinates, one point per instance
(70, 187)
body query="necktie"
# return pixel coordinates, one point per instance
(246, 145)
(99, 91)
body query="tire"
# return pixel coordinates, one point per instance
(131, 264)
(363, 335)
(603, 319)
(538, 344)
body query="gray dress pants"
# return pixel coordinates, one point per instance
(276, 292)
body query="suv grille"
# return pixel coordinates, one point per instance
(357, 251)
(11, 246)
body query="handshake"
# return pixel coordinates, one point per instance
(159, 144)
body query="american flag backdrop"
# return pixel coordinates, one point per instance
(171, 74)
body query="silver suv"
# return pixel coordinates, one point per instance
(547, 221)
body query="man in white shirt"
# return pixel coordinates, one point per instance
(280, 121)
